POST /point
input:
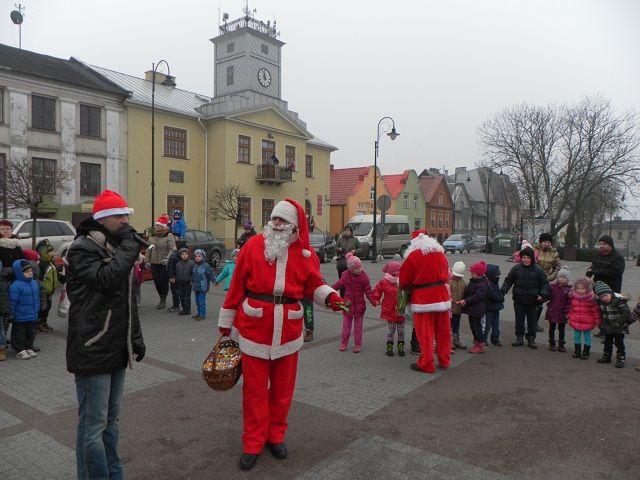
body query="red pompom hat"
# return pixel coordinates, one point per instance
(479, 268)
(110, 203)
(291, 211)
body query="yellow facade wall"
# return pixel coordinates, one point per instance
(139, 167)
(360, 202)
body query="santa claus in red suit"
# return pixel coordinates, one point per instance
(273, 272)
(425, 272)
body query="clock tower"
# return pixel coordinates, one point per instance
(247, 57)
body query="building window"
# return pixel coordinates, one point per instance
(446, 220)
(319, 205)
(415, 202)
(417, 224)
(372, 193)
(89, 179)
(440, 199)
(406, 201)
(433, 219)
(175, 202)
(44, 172)
(290, 154)
(231, 46)
(176, 176)
(175, 142)
(244, 149)
(244, 209)
(1, 105)
(43, 113)
(439, 219)
(308, 164)
(267, 207)
(268, 151)
(264, 48)
(89, 121)
(619, 235)
(230, 75)
(632, 233)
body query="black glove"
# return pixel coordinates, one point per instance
(125, 232)
(139, 352)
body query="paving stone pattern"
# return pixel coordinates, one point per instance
(377, 457)
(7, 420)
(33, 455)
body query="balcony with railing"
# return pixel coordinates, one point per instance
(273, 175)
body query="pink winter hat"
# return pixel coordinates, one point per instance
(353, 261)
(392, 268)
(479, 268)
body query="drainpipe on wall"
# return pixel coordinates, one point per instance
(206, 175)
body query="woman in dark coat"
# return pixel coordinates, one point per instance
(10, 249)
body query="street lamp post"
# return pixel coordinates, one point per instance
(486, 245)
(392, 135)
(169, 82)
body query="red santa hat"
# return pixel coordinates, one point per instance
(423, 242)
(415, 233)
(110, 203)
(161, 221)
(291, 211)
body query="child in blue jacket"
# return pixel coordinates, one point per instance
(178, 225)
(24, 298)
(227, 271)
(202, 276)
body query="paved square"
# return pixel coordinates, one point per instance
(7, 420)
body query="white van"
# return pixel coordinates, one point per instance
(393, 237)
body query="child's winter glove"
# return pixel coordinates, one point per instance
(337, 303)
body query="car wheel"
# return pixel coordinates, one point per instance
(215, 258)
(403, 249)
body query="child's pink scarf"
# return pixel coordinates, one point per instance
(391, 279)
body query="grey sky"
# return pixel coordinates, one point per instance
(438, 67)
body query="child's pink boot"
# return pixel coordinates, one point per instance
(477, 348)
(357, 349)
(342, 347)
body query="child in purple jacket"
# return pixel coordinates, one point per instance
(356, 283)
(558, 308)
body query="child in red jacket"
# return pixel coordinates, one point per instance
(387, 291)
(584, 316)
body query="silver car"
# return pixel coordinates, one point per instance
(59, 233)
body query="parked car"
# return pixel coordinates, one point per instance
(459, 242)
(59, 233)
(214, 248)
(395, 237)
(323, 244)
(480, 242)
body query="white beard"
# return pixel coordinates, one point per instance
(277, 241)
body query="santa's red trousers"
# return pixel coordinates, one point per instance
(428, 325)
(267, 391)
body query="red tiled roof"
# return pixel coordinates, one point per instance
(429, 186)
(395, 183)
(345, 182)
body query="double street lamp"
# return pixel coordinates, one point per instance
(385, 122)
(168, 81)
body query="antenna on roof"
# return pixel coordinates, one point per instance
(17, 18)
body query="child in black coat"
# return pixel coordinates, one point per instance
(494, 302)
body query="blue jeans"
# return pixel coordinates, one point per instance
(201, 302)
(99, 398)
(3, 336)
(492, 326)
(579, 333)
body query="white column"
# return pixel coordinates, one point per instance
(114, 173)
(68, 108)
(18, 112)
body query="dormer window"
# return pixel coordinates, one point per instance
(231, 46)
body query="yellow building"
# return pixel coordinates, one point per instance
(245, 135)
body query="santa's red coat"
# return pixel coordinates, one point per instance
(421, 268)
(268, 330)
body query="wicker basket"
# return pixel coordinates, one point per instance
(222, 378)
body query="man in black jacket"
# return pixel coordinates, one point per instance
(608, 267)
(104, 334)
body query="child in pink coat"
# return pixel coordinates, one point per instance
(584, 316)
(356, 284)
(387, 291)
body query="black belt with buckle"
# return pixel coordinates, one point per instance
(277, 299)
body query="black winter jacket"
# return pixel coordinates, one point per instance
(615, 315)
(184, 271)
(494, 301)
(474, 297)
(174, 257)
(527, 282)
(608, 269)
(5, 308)
(104, 328)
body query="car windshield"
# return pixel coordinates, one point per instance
(361, 229)
(316, 238)
(455, 238)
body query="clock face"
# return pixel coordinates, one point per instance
(264, 77)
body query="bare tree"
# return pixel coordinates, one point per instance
(225, 205)
(560, 157)
(30, 182)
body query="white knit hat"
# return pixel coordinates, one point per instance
(458, 269)
(287, 211)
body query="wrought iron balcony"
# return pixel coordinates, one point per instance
(273, 174)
